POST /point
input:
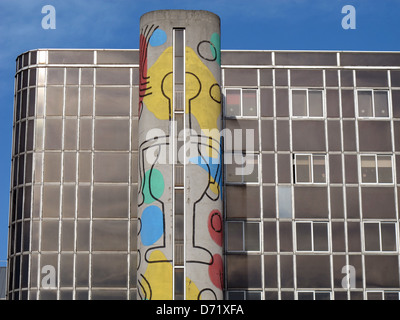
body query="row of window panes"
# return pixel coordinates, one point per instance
(311, 236)
(309, 168)
(309, 295)
(306, 103)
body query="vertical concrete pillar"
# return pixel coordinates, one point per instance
(180, 207)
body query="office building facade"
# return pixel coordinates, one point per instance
(309, 199)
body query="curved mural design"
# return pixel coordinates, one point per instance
(203, 216)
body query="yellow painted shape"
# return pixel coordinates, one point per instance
(192, 292)
(159, 276)
(159, 88)
(203, 107)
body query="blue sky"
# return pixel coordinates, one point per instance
(255, 24)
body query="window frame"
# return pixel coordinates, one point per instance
(241, 116)
(373, 117)
(312, 236)
(323, 92)
(243, 181)
(313, 292)
(244, 293)
(243, 223)
(376, 155)
(380, 236)
(311, 155)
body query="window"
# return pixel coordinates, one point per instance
(241, 102)
(310, 168)
(242, 167)
(376, 168)
(307, 103)
(380, 236)
(312, 236)
(313, 295)
(373, 103)
(243, 236)
(383, 295)
(244, 295)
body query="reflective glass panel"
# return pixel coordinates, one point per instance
(299, 103)
(365, 104)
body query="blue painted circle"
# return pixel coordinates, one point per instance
(152, 225)
(158, 38)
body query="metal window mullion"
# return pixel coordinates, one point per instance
(128, 293)
(61, 186)
(41, 186)
(259, 167)
(92, 179)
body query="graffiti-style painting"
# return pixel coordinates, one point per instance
(203, 180)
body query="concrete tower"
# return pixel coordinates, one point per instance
(180, 203)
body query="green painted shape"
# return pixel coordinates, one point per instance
(154, 181)
(216, 41)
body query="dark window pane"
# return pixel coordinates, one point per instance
(286, 265)
(378, 271)
(305, 296)
(354, 238)
(306, 58)
(282, 135)
(378, 203)
(371, 78)
(118, 98)
(308, 135)
(320, 232)
(282, 103)
(306, 78)
(55, 76)
(111, 135)
(285, 234)
(235, 236)
(381, 104)
(315, 103)
(347, 104)
(303, 232)
(270, 241)
(252, 236)
(311, 202)
(303, 169)
(384, 169)
(331, 78)
(270, 271)
(332, 100)
(54, 98)
(319, 171)
(243, 202)
(70, 57)
(299, 103)
(267, 103)
(249, 101)
(233, 103)
(243, 271)
(365, 104)
(313, 271)
(388, 232)
(109, 270)
(246, 58)
(372, 239)
(368, 169)
(240, 77)
(374, 136)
